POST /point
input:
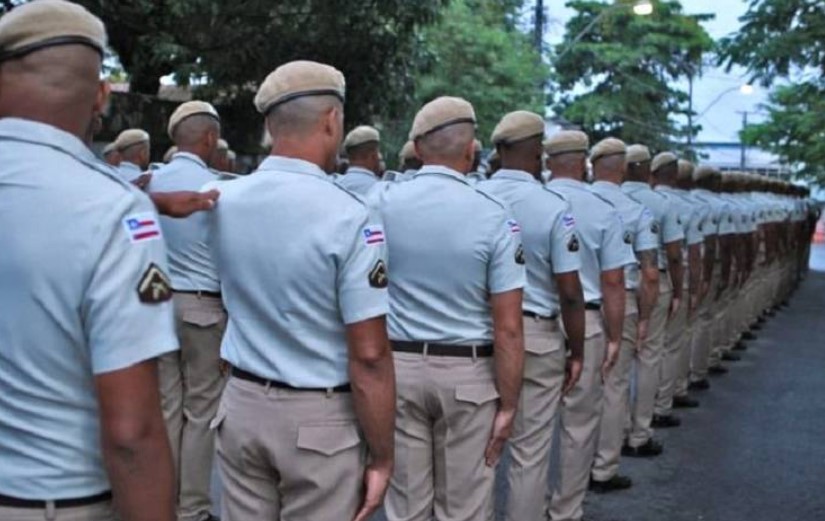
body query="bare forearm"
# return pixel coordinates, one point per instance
(572, 314)
(694, 269)
(676, 270)
(709, 259)
(613, 303)
(509, 367)
(373, 394)
(649, 288)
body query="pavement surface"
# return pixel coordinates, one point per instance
(755, 449)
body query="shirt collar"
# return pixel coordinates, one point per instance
(292, 165)
(515, 175)
(360, 170)
(130, 166)
(636, 185)
(606, 186)
(565, 181)
(41, 133)
(443, 171)
(190, 157)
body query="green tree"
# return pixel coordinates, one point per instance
(785, 40)
(628, 65)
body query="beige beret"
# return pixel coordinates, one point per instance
(517, 126)
(685, 169)
(607, 147)
(47, 23)
(565, 142)
(108, 149)
(189, 109)
(131, 137)
(298, 79)
(223, 145)
(361, 136)
(663, 159)
(493, 156)
(704, 172)
(231, 155)
(407, 152)
(637, 154)
(441, 113)
(169, 153)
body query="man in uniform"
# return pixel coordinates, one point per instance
(455, 293)
(553, 292)
(476, 175)
(133, 148)
(409, 162)
(110, 155)
(604, 254)
(220, 157)
(641, 232)
(667, 173)
(640, 442)
(191, 382)
(84, 308)
(362, 146)
(305, 289)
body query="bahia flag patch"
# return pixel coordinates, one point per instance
(142, 227)
(514, 226)
(373, 234)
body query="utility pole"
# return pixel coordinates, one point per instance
(690, 111)
(743, 148)
(538, 31)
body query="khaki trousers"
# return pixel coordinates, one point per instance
(445, 408)
(616, 403)
(677, 335)
(288, 455)
(190, 386)
(701, 343)
(534, 427)
(648, 362)
(579, 426)
(720, 327)
(98, 512)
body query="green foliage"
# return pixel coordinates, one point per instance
(784, 39)
(628, 63)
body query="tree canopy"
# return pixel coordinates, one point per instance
(626, 64)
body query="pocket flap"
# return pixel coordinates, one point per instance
(220, 416)
(476, 393)
(328, 439)
(201, 318)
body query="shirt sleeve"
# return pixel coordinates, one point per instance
(615, 252)
(671, 228)
(694, 233)
(505, 270)
(363, 275)
(562, 259)
(646, 236)
(127, 307)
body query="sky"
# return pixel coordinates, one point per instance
(723, 120)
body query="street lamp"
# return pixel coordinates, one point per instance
(745, 89)
(640, 8)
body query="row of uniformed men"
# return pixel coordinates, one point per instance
(328, 404)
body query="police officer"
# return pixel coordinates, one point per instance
(84, 306)
(604, 254)
(110, 155)
(455, 292)
(220, 157)
(133, 148)
(312, 375)
(476, 175)
(640, 442)
(362, 146)
(191, 382)
(408, 161)
(553, 292)
(640, 231)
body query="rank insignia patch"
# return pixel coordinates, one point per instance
(520, 254)
(154, 286)
(378, 275)
(573, 244)
(628, 238)
(654, 228)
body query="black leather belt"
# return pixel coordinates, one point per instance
(662, 271)
(249, 377)
(199, 293)
(593, 306)
(479, 351)
(537, 316)
(13, 502)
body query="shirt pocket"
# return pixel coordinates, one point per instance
(201, 318)
(476, 394)
(328, 439)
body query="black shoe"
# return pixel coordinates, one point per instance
(209, 517)
(613, 484)
(740, 346)
(665, 422)
(699, 385)
(685, 402)
(730, 357)
(717, 370)
(747, 335)
(770, 313)
(762, 319)
(650, 449)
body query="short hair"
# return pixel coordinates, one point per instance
(363, 150)
(192, 129)
(299, 116)
(450, 142)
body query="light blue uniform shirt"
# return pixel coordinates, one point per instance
(476, 177)
(129, 171)
(450, 247)
(547, 229)
(76, 244)
(640, 229)
(600, 232)
(664, 211)
(718, 210)
(190, 261)
(295, 254)
(358, 180)
(687, 216)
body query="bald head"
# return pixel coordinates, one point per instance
(138, 154)
(451, 146)
(309, 128)
(199, 135)
(366, 155)
(570, 165)
(610, 168)
(524, 155)
(59, 86)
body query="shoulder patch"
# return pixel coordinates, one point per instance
(654, 228)
(513, 225)
(154, 286)
(378, 275)
(568, 221)
(628, 238)
(573, 244)
(142, 227)
(520, 255)
(373, 235)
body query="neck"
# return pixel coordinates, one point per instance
(302, 150)
(457, 165)
(196, 150)
(573, 176)
(362, 165)
(521, 167)
(608, 177)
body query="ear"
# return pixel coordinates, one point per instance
(102, 99)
